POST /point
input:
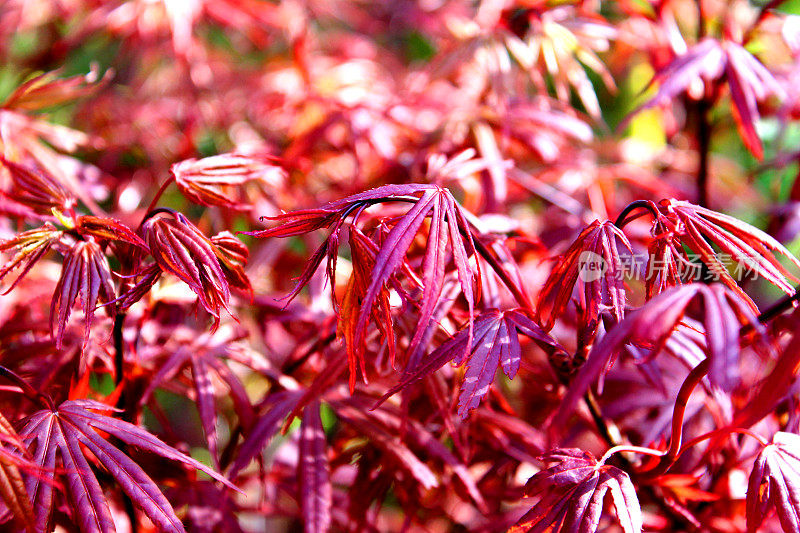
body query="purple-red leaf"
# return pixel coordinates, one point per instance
(650, 326)
(233, 255)
(265, 428)
(681, 223)
(37, 189)
(12, 484)
(181, 249)
(749, 81)
(214, 180)
(594, 263)
(297, 223)
(495, 342)
(74, 424)
(108, 229)
(29, 246)
(204, 359)
(448, 229)
(572, 493)
(775, 481)
(389, 442)
(85, 274)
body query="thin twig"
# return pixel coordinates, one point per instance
(160, 192)
(703, 148)
(688, 386)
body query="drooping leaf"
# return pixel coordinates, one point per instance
(775, 482)
(495, 342)
(29, 246)
(442, 208)
(682, 223)
(181, 249)
(214, 180)
(705, 61)
(449, 229)
(363, 252)
(749, 81)
(572, 493)
(74, 425)
(593, 262)
(85, 274)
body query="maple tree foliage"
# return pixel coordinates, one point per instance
(399, 266)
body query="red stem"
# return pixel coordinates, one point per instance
(623, 219)
(160, 193)
(692, 380)
(722, 431)
(27, 389)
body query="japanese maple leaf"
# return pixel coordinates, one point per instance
(448, 229)
(85, 274)
(748, 80)
(279, 405)
(181, 249)
(214, 180)
(775, 481)
(495, 342)
(107, 229)
(380, 435)
(28, 246)
(233, 256)
(387, 440)
(209, 508)
(544, 127)
(36, 188)
(640, 394)
(363, 252)
(70, 429)
(680, 224)
(417, 437)
(572, 493)
(723, 315)
(48, 90)
(593, 262)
